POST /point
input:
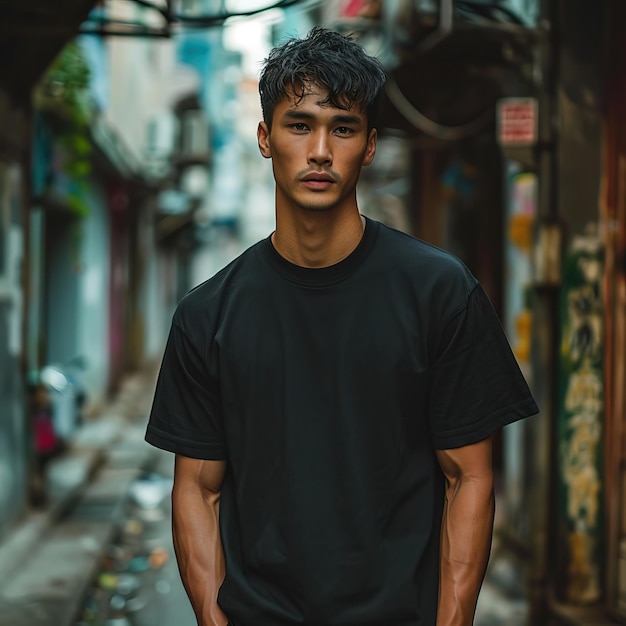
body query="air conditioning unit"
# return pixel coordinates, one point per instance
(159, 144)
(520, 12)
(160, 135)
(402, 29)
(416, 26)
(517, 11)
(194, 141)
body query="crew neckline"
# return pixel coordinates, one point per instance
(321, 276)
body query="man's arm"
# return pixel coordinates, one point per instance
(466, 530)
(197, 542)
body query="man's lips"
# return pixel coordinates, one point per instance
(318, 180)
(318, 176)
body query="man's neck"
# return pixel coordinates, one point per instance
(318, 239)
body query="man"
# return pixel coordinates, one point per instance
(330, 394)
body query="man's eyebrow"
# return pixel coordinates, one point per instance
(341, 119)
(348, 119)
(297, 115)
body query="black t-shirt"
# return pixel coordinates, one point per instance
(327, 391)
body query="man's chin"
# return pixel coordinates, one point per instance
(317, 207)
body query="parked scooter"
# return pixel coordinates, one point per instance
(56, 399)
(67, 395)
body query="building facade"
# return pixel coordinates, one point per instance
(29, 56)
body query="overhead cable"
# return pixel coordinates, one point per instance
(155, 7)
(439, 131)
(214, 19)
(139, 29)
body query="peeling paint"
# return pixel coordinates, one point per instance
(580, 417)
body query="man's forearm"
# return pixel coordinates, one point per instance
(195, 525)
(466, 535)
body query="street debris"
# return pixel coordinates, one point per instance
(125, 582)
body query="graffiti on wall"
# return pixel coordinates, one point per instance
(580, 420)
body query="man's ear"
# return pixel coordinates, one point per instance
(263, 137)
(370, 149)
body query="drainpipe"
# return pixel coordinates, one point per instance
(546, 281)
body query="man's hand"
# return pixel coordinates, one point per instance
(197, 543)
(466, 530)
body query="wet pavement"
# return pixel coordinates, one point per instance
(496, 608)
(138, 582)
(50, 558)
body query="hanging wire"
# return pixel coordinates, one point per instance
(165, 12)
(219, 18)
(487, 13)
(189, 21)
(439, 131)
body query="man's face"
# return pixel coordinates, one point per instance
(317, 151)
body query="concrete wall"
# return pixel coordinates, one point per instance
(92, 330)
(156, 322)
(14, 443)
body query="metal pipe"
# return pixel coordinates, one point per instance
(444, 27)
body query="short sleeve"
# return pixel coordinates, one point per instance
(476, 386)
(186, 415)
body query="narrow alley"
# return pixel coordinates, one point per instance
(136, 162)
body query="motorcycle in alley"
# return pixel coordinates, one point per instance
(57, 396)
(67, 395)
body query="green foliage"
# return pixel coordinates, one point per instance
(78, 205)
(63, 89)
(62, 97)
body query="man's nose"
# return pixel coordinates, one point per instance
(319, 149)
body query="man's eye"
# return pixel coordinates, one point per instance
(299, 126)
(344, 130)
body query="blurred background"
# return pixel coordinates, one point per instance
(129, 172)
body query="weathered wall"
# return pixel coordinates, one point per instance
(14, 448)
(580, 414)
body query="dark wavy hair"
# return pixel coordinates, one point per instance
(329, 60)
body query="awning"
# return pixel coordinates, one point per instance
(31, 35)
